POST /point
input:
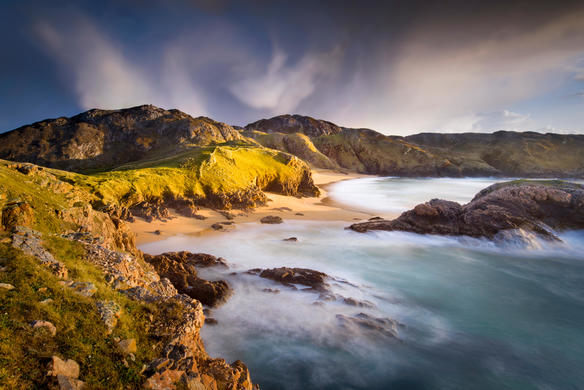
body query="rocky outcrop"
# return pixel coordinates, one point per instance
(181, 269)
(107, 138)
(29, 241)
(314, 280)
(532, 206)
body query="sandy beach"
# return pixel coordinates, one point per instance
(322, 208)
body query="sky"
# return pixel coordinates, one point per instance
(399, 67)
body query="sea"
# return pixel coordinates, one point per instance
(431, 312)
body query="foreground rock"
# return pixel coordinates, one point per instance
(181, 269)
(531, 206)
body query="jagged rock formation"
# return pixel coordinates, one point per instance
(503, 153)
(181, 269)
(98, 139)
(530, 206)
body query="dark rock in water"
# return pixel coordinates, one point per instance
(221, 225)
(157, 232)
(355, 302)
(383, 326)
(180, 269)
(530, 206)
(376, 219)
(271, 290)
(291, 239)
(211, 321)
(271, 219)
(300, 214)
(290, 276)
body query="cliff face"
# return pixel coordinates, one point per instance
(84, 308)
(99, 139)
(429, 154)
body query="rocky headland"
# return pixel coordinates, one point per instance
(537, 207)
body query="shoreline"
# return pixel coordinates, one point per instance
(323, 208)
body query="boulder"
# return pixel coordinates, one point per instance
(271, 219)
(67, 383)
(68, 368)
(127, 346)
(109, 312)
(181, 269)
(17, 214)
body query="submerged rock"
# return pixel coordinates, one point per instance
(315, 280)
(528, 206)
(384, 326)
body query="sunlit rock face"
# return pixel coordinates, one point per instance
(106, 138)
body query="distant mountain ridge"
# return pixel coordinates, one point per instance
(103, 139)
(503, 153)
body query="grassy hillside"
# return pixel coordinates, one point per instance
(202, 174)
(81, 335)
(44, 220)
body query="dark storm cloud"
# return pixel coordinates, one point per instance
(395, 66)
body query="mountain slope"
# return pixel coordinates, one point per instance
(428, 154)
(99, 139)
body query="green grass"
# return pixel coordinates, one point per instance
(197, 172)
(81, 335)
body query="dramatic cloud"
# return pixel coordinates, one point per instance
(103, 77)
(280, 88)
(395, 67)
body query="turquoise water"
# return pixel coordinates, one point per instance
(475, 315)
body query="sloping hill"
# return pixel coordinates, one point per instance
(502, 153)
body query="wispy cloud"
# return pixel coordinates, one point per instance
(280, 87)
